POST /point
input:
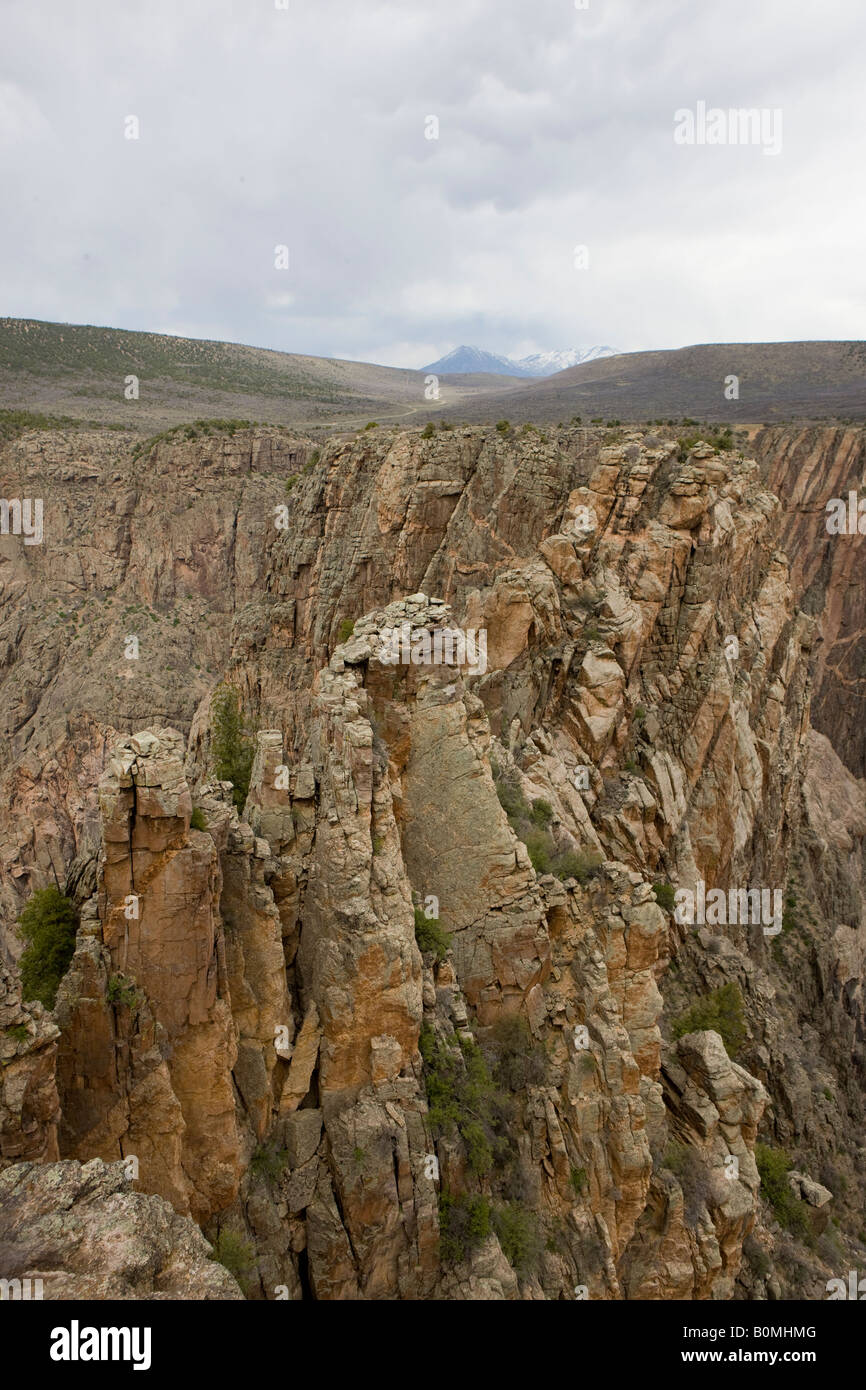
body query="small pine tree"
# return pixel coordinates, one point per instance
(48, 924)
(231, 744)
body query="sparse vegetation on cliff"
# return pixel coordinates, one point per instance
(231, 745)
(461, 1095)
(715, 435)
(269, 1162)
(430, 936)
(123, 992)
(519, 1235)
(665, 895)
(48, 923)
(518, 1060)
(235, 1254)
(531, 824)
(774, 1166)
(464, 1222)
(722, 1012)
(549, 1089)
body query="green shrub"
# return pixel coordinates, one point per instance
(675, 1156)
(268, 1161)
(511, 797)
(790, 916)
(579, 1180)
(539, 847)
(235, 1254)
(123, 992)
(517, 1229)
(713, 435)
(586, 1067)
(789, 1211)
(345, 630)
(464, 1222)
(430, 936)
(197, 820)
(461, 1095)
(542, 813)
(757, 1257)
(580, 864)
(290, 481)
(372, 425)
(231, 744)
(428, 431)
(503, 426)
(722, 1012)
(532, 826)
(15, 422)
(517, 1059)
(665, 895)
(48, 923)
(19, 1032)
(691, 1172)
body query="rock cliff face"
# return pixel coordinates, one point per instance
(806, 468)
(29, 1104)
(76, 1231)
(418, 1022)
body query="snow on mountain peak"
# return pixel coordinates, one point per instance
(463, 360)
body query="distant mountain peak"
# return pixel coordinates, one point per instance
(464, 360)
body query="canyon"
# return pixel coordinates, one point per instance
(266, 1046)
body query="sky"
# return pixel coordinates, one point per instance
(306, 124)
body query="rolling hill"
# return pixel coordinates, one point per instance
(79, 372)
(777, 381)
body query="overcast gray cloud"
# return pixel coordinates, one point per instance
(306, 127)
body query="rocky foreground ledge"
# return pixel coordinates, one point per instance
(76, 1230)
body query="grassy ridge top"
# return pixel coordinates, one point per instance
(29, 345)
(78, 371)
